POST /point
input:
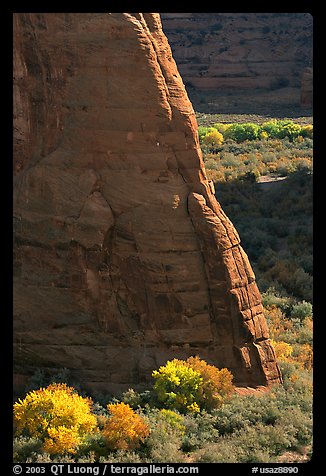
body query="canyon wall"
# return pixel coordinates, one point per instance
(242, 51)
(123, 258)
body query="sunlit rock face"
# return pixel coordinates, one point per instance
(123, 258)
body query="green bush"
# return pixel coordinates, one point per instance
(93, 444)
(224, 451)
(236, 132)
(272, 298)
(199, 430)
(173, 420)
(301, 310)
(121, 456)
(242, 132)
(272, 128)
(26, 447)
(163, 443)
(230, 160)
(290, 129)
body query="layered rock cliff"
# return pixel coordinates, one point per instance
(123, 257)
(242, 51)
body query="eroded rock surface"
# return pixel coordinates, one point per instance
(307, 88)
(240, 50)
(123, 256)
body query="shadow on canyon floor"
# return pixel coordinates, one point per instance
(275, 227)
(279, 103)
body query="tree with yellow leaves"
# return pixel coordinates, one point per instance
(56, 415)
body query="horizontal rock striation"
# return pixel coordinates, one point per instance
(123, 258)
(245, 51)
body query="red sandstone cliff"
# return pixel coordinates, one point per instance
(240, 50)
(123, 256)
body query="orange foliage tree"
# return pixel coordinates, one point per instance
(125, 429)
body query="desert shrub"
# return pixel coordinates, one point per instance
(260, 442)
(56, 415)
(47, 458)
(211, 164)
(302, 310)
(278, 324)
(173, 420)
(200, 430)
(42, 379)
(142, 401)
(216, 175)
(125, 429)
(123, 456)
(230, 160)
(95, 444)
(273, 438)
(257, 428)
(298, 382)
(302, 354)
(132, 398)
(304, 335)
(25, 447)
(268, 157)
(244, 411)
(164, 445)
(164, 441)
(101, 415)
(224, 451)
(191, 385)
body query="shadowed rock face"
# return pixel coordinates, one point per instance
(240, 50)
(123, 256)
(307, 88)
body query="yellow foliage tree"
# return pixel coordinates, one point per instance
(213, 139)
(125, 429)
(191, 385)
(277, 322)
(303, 356)
(56, 415)
(217, 384)
(283, 350)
